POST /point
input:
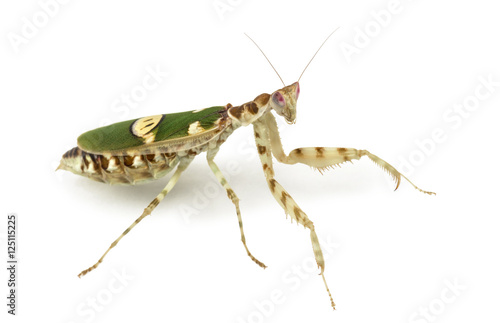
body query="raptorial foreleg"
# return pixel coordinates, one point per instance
(284, 199)
(323, 158)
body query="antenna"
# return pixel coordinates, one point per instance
(317, 52)
(267, 58)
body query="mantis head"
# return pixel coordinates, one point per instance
(284, 102)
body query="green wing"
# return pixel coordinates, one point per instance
(163, 133)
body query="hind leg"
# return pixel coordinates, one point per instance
(147, 211)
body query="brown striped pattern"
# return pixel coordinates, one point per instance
(249, 112)
(119, 169)
(264, 140)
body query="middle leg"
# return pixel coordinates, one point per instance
(236, 201)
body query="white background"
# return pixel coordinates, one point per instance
(394, 254)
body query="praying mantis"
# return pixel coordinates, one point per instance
(146, 149)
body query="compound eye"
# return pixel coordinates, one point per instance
(278, 99)
(298, 91)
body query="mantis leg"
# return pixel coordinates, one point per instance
(232, 196)
(183, 164)
(283, 198)
(323, 158)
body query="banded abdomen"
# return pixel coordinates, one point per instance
(118, 169)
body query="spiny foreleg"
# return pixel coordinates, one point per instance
(324, 158)
(284, 199)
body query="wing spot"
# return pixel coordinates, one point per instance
(142, 127)
(147, 126)
(195, 128)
